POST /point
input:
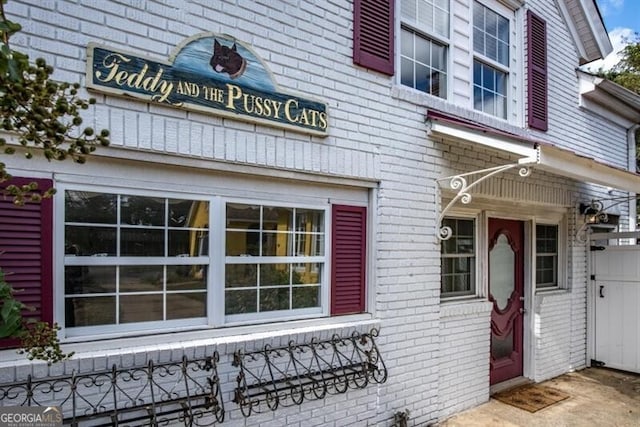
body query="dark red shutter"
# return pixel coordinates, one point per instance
(537, 76)
(26, 251)
(348, 259)
(373, 25)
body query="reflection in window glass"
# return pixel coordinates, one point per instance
(489, 90)
(491, 46)
(425, 69)
(90, 208)
(104, 233)
(141, 278)
(546, 256)
(257, 283)
(458, 258)
(89, 279)
(82, 311)
(142, 211)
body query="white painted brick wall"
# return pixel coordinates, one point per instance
(464, 356)
(377, 132)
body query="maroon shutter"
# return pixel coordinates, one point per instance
(26, 252)
(373, 25)
(537, 76)
(348, 259)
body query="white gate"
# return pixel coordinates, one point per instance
(615, 294)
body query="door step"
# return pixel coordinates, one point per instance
(506, 385)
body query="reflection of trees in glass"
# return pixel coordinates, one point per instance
(272, 276)
(142, 210)
(87, 207)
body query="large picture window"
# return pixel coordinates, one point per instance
(458, 275)
(423, 45)
(148, 261)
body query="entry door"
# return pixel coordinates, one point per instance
(506, 291)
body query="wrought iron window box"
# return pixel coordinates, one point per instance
(284, 376)
(186, 392)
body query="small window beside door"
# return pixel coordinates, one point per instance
(546, 256)
(458, 274)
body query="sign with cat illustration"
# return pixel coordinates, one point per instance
(208, 73)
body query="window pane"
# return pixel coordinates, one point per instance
(142, 211)
(277, 219)
(242, 243)
(441, 22)
(188, 213)
(306, 296)
(274, 299)
(88, 207)
(309, 244)
(141, 278)
(141, 308)
(422, 74)
(141, 242)
(274, 275)
(186, 305)
(187, 243)
(406, 72)
(186, 277)
(307, 273)
(243, 216)
(423, 50)
(277, 244)
(406, 43)
(90, 311)
(90, 241)
(89, 280)
(241, 275)
(236, 302)
(503, 53)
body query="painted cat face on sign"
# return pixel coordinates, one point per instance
(227, 60)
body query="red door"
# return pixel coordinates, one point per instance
(506, 291)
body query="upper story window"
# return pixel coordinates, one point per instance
(423, 45)
(491, 61)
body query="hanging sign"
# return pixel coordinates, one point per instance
(206, 73)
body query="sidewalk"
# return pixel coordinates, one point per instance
(598, 397)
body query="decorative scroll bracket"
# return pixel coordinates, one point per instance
(463, 187)
(596, 213)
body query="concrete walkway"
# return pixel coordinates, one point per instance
(598, 397)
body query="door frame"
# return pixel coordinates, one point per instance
(528, 344)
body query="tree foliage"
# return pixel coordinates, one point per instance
(627, 72)
(38, 115)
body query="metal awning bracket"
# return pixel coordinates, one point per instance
(464, 183)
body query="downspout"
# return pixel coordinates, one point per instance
(632, 141)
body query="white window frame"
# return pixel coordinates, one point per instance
(561, 278)
(511, 70)
(433, 37)
(215, 275)
(240, 319)
(478, 225)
